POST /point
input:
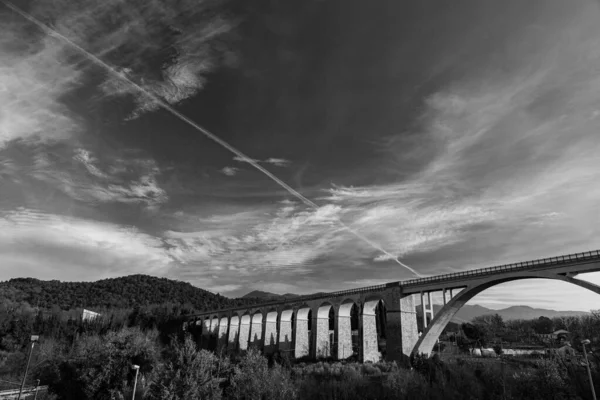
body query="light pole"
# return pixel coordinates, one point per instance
(34, 339)
(587, 364)
(137, 369)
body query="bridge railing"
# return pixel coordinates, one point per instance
(524, 265)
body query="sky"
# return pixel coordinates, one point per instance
(452, 136)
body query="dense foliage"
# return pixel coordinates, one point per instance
(124, 292)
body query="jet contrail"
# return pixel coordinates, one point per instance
(210, 135)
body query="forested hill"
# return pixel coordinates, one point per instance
(124, 292)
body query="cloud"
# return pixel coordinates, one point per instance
(33, 78)
(165, 48)
(286, 240)
(34, 243)
(230, 171)
(278, 162)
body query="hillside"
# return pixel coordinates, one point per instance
(123, 292)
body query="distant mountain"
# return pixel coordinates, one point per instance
(468, 312)
(258, 294)
(123, 292)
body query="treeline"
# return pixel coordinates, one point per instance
(488, 330)
(99, 368)
(124, 292)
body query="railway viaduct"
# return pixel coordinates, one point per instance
(320, 326)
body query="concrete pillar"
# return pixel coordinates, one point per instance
(285, 341)
(205, 337)
(369, 349)
(424, 309)
(222, 333)
(270, 332)
(244, 334)
(301, 338)
(234, 330)
(322, 345)
(401, 328)
(343, 331)
(444, 295)
(256, 331)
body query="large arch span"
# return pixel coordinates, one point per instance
(430, 335)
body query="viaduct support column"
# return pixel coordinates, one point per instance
(369, 350)
(234, 330)
(244, 334)
(285, 331)
(343, 333)
(401, 328)
(301, 337)
(322, 347)
(270, 332)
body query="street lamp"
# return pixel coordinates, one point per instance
(137, 370)
(34, 339)
(587, 364)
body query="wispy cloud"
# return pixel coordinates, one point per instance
(131, 180)
(230, 171)
(278, 162)
(33, 78)
(34, 243)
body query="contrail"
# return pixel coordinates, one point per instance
(207, 133)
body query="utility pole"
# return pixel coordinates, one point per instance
(34, 339)
(587, 364)
(37, 385)
(137, 369)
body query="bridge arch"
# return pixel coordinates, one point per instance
(430, 335)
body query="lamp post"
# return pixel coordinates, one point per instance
(587, 364)
(34, 339)
(137, 370)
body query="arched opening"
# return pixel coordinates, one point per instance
(234, 331)
(256, 330)
(347, 333)
(303, 332)
(324, 330)
(270, 341)
(244, 335)
(430, 336)
(286, 326)
(373, 330)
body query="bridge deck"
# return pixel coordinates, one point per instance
(540, 264)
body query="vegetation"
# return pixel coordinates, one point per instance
(124, 292)
(93, 359)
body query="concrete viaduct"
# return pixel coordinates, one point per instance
(320, 326)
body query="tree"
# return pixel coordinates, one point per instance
(100, 366)
(477, 333)
(190, 374)
(543, 325)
